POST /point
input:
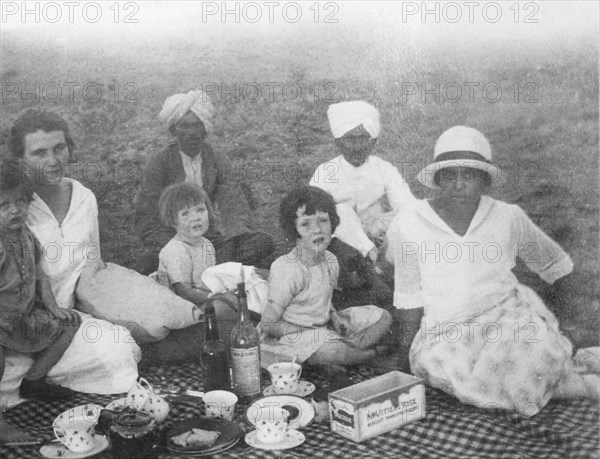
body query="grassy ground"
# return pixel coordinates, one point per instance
(545, 135)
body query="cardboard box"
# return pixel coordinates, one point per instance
(381, 404)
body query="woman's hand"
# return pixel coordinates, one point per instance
(66, 315)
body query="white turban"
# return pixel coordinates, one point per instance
(177, 105)
(345, 116)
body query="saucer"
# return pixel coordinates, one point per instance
(301, 411)
(292, 439)
(304, 388)
(58, 450)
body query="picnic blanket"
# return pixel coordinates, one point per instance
(563, 429)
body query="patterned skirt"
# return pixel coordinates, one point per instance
(511, 356)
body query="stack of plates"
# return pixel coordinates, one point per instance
(230, 434)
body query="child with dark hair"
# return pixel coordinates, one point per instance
(28, 324)
(186, 208)
(299, 319)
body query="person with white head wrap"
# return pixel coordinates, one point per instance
(368, 190)
(195, 101)
(345, 116)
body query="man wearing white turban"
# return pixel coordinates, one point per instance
(368, 191)
(176, 106)
(191, 159)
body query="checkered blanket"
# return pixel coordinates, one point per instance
(449, 430)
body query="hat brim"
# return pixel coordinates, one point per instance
(427, 174)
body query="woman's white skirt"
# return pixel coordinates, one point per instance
(101, 359)
(511, 356)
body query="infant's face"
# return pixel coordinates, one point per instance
(13, 210)
(314, 230)
(192, 222)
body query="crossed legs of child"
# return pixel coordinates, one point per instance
(356, 348)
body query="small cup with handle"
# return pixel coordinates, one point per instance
(75, 428)
(285, 377)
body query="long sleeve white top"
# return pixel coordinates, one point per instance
(66, 247)
(448, 274)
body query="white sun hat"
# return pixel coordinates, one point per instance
(461, 146)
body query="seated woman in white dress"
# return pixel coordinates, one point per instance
(478, 333)
(63, 217)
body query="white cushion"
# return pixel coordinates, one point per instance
(125, 297)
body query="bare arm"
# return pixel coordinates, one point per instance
(273, 325)
(186, 291)
(45, 292)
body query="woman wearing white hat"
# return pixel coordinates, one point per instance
(478, 333)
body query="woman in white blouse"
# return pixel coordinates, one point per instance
(478, 333)
(63, 217)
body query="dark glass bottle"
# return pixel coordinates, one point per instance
(213, 355)
(245, 352)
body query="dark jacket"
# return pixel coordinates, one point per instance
(221, 181)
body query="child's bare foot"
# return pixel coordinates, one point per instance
(10, 434)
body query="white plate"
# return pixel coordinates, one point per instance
(304, 388)
(292, 439)
(304, 416)
(58, 450)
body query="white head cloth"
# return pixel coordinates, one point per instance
(345, 116)
(177, 105)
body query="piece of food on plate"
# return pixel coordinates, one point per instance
(292, 410)
(196, 438)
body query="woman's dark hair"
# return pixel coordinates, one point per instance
(34, 120)
(487, 179)
(12, 176)
(179, 196)
(315, 199)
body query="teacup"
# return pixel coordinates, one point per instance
(285, 377)
(142, 397)
(139, 393)
(220, 404)
(75, 428)
(271, 424)
(157, 407)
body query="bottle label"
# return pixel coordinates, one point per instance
(246, 370)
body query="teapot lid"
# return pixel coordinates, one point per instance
(133, 419)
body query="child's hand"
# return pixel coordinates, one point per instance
(341, 325)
